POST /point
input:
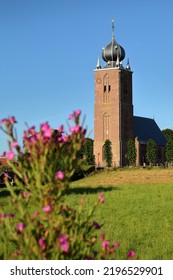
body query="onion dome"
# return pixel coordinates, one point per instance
(113, 53)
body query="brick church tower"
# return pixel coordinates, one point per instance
(113, 109)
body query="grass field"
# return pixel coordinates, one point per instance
(138, 209)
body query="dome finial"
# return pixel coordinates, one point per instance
(113, 53)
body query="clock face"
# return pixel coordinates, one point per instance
(99, 80)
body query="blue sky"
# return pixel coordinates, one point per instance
(49, 49)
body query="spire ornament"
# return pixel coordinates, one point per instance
(128, 65)
(98, 66)
(113, 28)
(113, 53)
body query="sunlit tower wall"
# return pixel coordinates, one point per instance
(113, 109)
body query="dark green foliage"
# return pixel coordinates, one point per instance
(168, 133)
(108, 153)
(87, 152)
(151, 152)
(131, 152)
(169, 151)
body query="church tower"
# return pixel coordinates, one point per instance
(113, 109)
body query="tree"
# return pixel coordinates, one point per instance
(151, 152)
(168, 133)
(131, 152)
(169, 151)
(108, 153)
(87, 152)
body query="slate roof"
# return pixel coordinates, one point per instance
(146, 129)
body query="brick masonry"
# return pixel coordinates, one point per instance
(113, 113)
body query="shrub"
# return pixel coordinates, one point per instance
(108, 153)
(131, 152)
(169, 151)
(151, 152)
(42, 225)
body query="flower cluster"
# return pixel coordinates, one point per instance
(45, 225)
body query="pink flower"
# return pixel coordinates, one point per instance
(101, 199)
(62, 139)
(42, 242)
(60, 128)
(71, 116)
(77, 113)
(11, 216)
(102, 236)
(75, 128)
(105, 244)
(36, 213)
(131, 254)
(10, 120)
(46, 208)
(63, 241)
(59, 175)
(15, 144)
(20, 227)
(47, 131)
(25, 194)
(10, 154)
(116, 244)
(3, 216)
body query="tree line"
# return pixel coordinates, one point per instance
(151, 151)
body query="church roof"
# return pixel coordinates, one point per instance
(146, 129)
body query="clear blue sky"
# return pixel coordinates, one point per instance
(49, 49)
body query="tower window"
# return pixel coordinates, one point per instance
(109, 88)
(104, 88)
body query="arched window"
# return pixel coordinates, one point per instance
(106, 88)
(106, 124)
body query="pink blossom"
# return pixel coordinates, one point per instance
(20, 227)
(3, 216)
(71, 116)
(75, 129)
(62, 139)
(131, 254)
(77, 113)
(63, 241)
(42, 242)
(105, 244)
(36, 213)
(101, 199)
(59, 175)
(30, 131)
(15, 144)
(47, 131)
(116, 244)
(102, 236)
(10, 120)
(11, 216)
(46, 208)
(60, 128)
(25, 194)
(10, 154)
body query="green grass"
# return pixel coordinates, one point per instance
(137, 211)
(138, 216)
